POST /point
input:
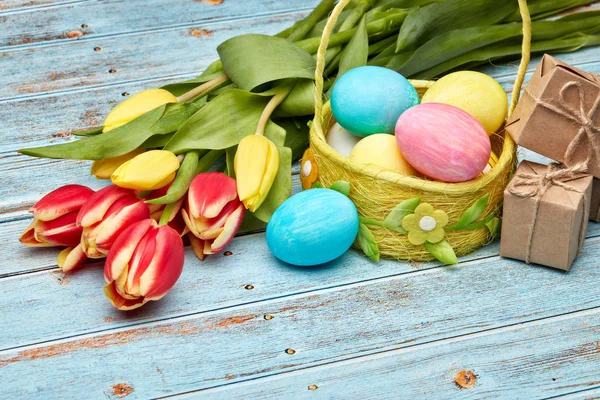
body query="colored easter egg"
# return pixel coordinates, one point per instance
(368, 100)
(341, 140)
(312, 227)
(443, 142)
(381, 150)
(478, 94)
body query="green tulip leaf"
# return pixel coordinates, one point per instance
(395, 217)
(177, 89)
(442, 251)
(89, 132)
(113, 143)
(341, 186)
(367, 242)
(356, 53)
(469, 216)
(229, 160)
(316, 185)
(252, 60)
(221, 123)
(251, 224)
(175, 115)
(157, 141)
(282, 185)
(300, 102)
(296, 137)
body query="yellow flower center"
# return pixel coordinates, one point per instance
(427, 223)
(306, 168)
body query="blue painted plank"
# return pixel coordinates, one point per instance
(533, 361)
(35, 5)
(90, 20)
(340, 323)
(131, 57)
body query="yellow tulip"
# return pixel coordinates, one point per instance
(135, 106)
(103, 169)
(148, 171)
(256, 163)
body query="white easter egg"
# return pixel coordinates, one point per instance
(341, 140)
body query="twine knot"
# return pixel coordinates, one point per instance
(527, 185)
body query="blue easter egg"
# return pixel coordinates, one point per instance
(312, 227)
(368, 100)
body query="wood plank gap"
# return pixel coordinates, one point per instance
(166, 28)
(408, 348)
(579, 394)
(27, 9)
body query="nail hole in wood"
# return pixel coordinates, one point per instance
(97, 48)
(112, 71)
(465, 379)
(84, 26)
(313, 387)
(125, 94)
(290, 351)
(268, 317)
(227, 253)
(249, 287)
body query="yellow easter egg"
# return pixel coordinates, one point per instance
(478, 94)
(381, 150)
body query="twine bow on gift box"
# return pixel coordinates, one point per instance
(588, 121)
(526, 185)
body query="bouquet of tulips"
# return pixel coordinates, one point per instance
(245, 119)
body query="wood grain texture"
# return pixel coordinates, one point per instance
(131, 57)
(35, 5)
(536, 360)
(88, 20)
(342, 322)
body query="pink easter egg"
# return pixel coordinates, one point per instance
(443, 142)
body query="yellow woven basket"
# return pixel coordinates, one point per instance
(376, 192)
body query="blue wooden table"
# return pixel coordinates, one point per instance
(243, 325)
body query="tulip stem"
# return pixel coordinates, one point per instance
(271, 106)
(165, 217)
(204, 88)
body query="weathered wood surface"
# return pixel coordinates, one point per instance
(357, 329)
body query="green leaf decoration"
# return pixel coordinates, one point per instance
(341, 186)
(229, 159)
(282, 185)
(395, 217)
(89, 132)
(316, 185)
(253, 60)
(469, 216)
(494, 226)
(356, 53)
(300, 102)
(424, 23)
(221, 123)
(442, 251)
(367, 242)
(113, 143)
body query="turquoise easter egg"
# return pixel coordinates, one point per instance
(368, 100)
(312, 227)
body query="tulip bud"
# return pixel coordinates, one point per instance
(148, 171)
(135, 106)
(213, 213)
(106, 214)
(103, 169)
(55, 216)
(71, 257)
(256, 163)
(144, 263)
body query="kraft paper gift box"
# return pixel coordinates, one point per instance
(595, 203)
(553, 234)
(558, 115)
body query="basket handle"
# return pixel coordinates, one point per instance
(335, 14)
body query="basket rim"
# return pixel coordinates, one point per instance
(505, 160)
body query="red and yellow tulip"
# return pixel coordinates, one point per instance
(144, 263)
(105, 215)
(213, 213)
